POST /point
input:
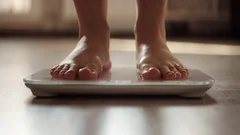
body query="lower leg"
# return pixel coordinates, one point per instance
(92, 16)
(91, 54)
(150, 20)
(154, 59)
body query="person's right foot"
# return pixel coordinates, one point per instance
(87, 61)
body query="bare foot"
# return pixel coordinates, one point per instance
(87, 61)
(155, 61)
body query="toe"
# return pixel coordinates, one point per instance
(107, 66)
(63, 71)
(167, 73)
(149, 72)
(178, 75)
(57, 70)
(90, 72)
(184, 72)
(71, 73)
(53, 69)
(87, 74)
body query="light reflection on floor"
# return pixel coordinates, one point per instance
(183, 47)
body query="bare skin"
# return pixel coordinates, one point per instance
(91, 55)
(154, 59)
(85, 62)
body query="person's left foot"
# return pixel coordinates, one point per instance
(155, 61)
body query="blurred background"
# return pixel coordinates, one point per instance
(204, 18)
(38, 34)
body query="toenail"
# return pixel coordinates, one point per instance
(171, 68)
(184, 72)
(169, 73)
(177, 73)
(68, 75)
(71, 71)
(89, 69)
(56, 71)
(178, 66)
(146, 70)
(93, 71)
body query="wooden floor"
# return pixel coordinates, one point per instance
(218, 113)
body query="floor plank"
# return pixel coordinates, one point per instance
(218, 113)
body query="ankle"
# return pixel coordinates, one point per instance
(97, 37)
(152, 36)
(149, 35)
(95, 29)
(151, 29)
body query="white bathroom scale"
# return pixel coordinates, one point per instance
(119, 81)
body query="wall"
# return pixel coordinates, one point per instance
(196, 16)
(199, 16)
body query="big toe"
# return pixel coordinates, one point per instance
(149, 73)
(90, 71)
(87, 74)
